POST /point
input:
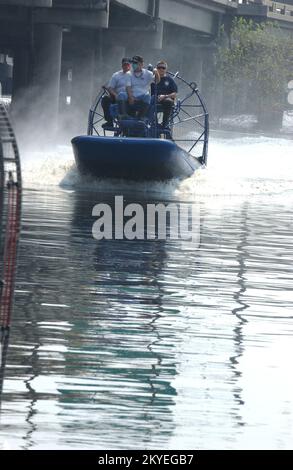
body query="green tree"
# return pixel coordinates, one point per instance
(260, 56)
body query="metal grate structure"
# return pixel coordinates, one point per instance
(10, 213)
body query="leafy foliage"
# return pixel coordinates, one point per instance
(259, 54)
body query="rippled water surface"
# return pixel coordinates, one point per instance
(155, 344)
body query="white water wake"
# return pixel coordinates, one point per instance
(238, 166)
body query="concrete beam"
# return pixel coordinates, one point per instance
(225, 3)
(198, 15)
(220, 6)
(81, 4)
(142, 6)
(27, 3)
(66, 17)
(252, 10)
(186, 15)
(132, 38)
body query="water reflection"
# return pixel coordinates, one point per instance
(32, 397)
(4, 342)
(240, 307)
(99, 348)
(148, 344)
(134, 371)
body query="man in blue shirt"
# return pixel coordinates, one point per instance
(166, 91)
(139, 91)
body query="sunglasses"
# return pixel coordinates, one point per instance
(161, 67)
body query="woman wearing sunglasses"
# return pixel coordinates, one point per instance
(166, 91)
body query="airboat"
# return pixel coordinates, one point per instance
(142, 149)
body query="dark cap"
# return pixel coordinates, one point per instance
(137, 58)
(126, 60)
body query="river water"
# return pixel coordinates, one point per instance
(167, 344)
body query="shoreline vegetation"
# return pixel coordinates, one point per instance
(255, 59)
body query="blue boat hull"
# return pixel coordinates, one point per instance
(132, 158)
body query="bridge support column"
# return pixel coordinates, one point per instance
(36, 84)
(151, 39)
(46, 81)
(21, 80)
(112, 56)
(194, 56)
(84, 81)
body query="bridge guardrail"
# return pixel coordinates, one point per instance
(270, 9)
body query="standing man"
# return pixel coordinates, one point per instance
(116, 88)
(139, 91)
(166, 91)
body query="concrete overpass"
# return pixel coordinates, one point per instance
(67, 48)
